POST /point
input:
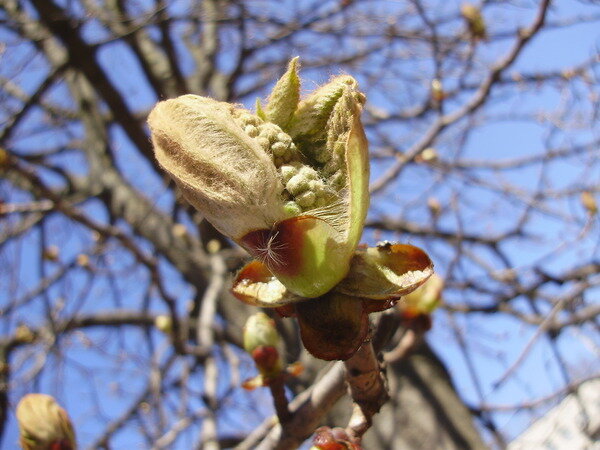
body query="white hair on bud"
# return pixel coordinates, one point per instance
(220, 170)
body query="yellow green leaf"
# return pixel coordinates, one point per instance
(386, 271)
(284, 99)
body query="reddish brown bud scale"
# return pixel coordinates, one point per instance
(255, 271)
(286, 310)
(333, 326)
(280, 248)
(61, 445)
(373, 306)
(416, 321)
(266, 358)
(327, 442)
(333, 439)
(329, 445)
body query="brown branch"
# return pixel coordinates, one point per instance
(157, 67)
(416, 229)
(108, 319)
(103, 441)
(83, 57)
(205, 336)
(367, 388)
(280, 401)
(309, 407)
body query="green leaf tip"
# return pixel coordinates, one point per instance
(284, 98)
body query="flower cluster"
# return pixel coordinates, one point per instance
(289, 183)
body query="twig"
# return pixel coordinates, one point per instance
(367, 387)
(277, 388)
(406, 344)
(168, 438)
(541, 330)
(206, 317)
(309, 407)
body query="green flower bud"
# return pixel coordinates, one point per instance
(306, 199)
(297, 185)
(251, 130)
(269, 131)
(279, 148)
(287, 172)
(292, 208)
(309, 173)
(264, 142)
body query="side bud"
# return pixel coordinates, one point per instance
(164, 323)
(475, 21)
(43, 424)
(589, 203)
(262, 342)
(424, 299)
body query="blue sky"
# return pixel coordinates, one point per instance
(496, 342)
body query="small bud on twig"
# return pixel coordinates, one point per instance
(43, 424)
(164, 323)
(589, 203)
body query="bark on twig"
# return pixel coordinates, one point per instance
(277, 388)
(367, 387)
